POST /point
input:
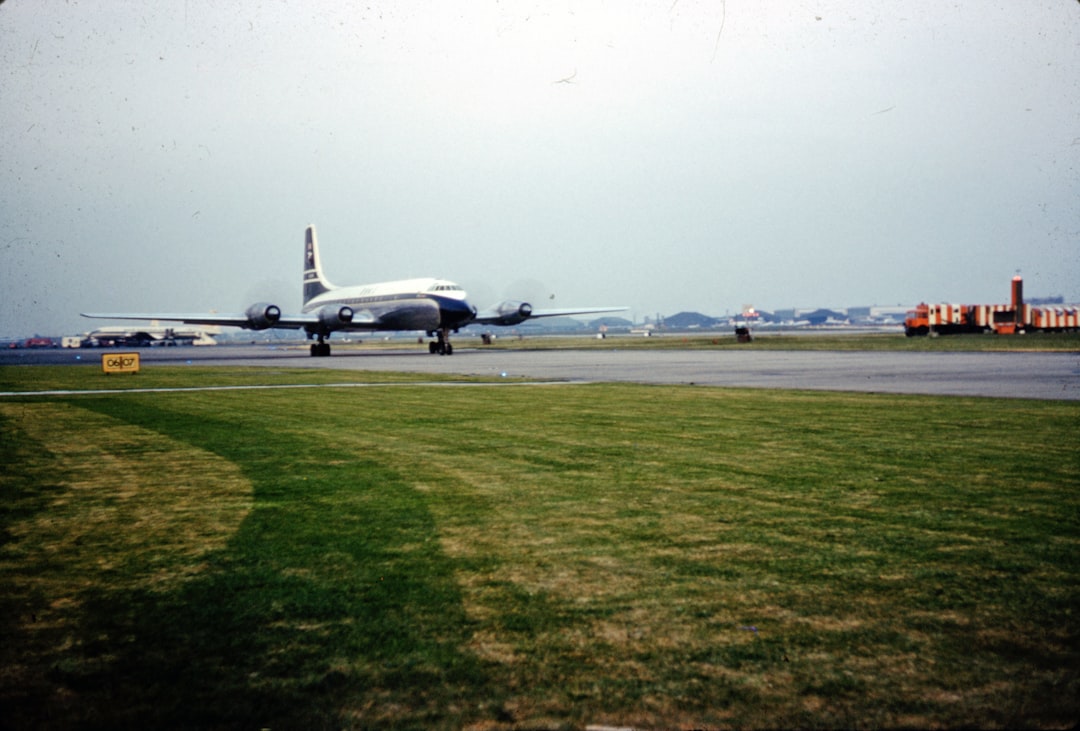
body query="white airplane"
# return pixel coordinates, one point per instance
(436, 306)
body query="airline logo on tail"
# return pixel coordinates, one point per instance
(314, 284)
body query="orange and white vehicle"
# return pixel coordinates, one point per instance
(938, 319)
(1056, 319)
(1015, 317)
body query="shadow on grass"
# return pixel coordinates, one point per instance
(331, 606)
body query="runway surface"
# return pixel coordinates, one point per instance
(1031, 375)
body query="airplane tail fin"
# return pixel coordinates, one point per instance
(314, 281)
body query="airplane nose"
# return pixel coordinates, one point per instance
(455, 313)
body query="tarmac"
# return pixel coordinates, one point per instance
(1026, 375)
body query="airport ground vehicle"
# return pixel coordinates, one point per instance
(1015, 317)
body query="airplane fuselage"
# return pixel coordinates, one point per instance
(409, 304)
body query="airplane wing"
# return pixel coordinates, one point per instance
(566, 311)
(259, 316)
(512, 312)
(243, 320)
(237, 320)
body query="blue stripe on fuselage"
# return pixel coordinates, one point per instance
(453, 313)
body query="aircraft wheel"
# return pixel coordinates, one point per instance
(432, 347)
(449, 349)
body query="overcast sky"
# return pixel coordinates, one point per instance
(672, 155)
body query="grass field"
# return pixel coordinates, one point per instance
(522, 556)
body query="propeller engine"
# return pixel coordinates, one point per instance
(335, 318)
(262, 315)
(512, 312)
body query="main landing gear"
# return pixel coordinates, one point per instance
(320, 349)
(442, 345)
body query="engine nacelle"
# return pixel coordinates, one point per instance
(512, 312)
(332, 317)
(262, 315)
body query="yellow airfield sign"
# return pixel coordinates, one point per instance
(120, 363)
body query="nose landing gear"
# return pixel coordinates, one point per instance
(441, 346)
(320, 349)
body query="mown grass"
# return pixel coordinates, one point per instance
(90, 378)
(538, 556)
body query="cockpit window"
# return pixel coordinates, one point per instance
(445, 287)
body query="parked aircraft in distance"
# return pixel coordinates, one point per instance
(142, 336)
(435, 306)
